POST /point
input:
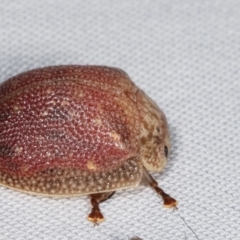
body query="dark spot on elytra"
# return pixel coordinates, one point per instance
(58, 113)
(49, 172)
(166, 151)
(4, 115)
(6, 151)
(158, 129)
(56, 135)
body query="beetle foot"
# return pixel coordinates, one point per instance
(95, 216)
(169, 202)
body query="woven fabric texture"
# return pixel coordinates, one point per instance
(186, 56)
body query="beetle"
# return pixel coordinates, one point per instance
(80, 130)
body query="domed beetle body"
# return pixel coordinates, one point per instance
(75, 130)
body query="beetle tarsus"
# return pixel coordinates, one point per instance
(96, 216)
(168, 201)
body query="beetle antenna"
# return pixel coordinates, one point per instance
(188, 226)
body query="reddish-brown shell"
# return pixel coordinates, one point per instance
(72, 130)
(69, 130)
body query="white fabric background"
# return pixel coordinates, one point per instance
(186, 56)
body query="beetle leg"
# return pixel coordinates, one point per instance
(96, 216)
(169, 202)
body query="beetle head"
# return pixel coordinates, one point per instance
(155, 149)
(154, 140)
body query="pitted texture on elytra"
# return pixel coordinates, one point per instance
(74, 181)
(87, 118)
(99, 76)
